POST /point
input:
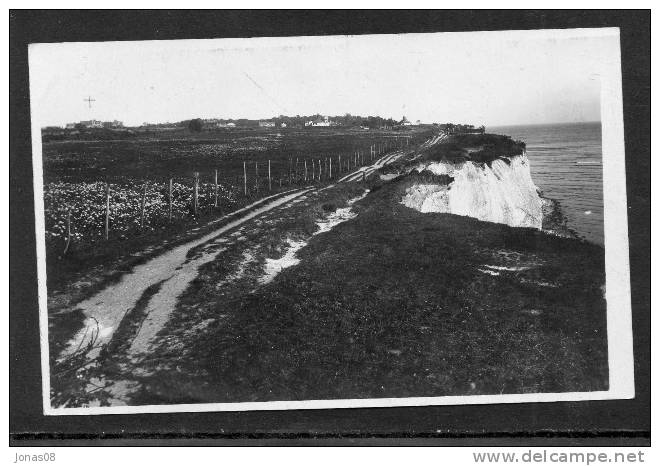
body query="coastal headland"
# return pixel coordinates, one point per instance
(427, 264)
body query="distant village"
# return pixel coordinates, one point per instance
(300, 122)
(276, 122)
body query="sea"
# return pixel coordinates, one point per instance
(566, 165)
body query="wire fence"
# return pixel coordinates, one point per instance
(88, 212)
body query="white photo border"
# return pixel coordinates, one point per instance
(619, 315)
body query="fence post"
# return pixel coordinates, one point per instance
(68, 231)
(270, 188)
(144, 199)
(196, 193)
(305, 169)
(107, 209)
(320, 170)
(330, 174)
(256, 177)
(169, 200)
(244, 178)
(215, 204)
(339, 164)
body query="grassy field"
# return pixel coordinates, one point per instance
(178, 154)
(138, 170)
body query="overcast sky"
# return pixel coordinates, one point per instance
(491, 78)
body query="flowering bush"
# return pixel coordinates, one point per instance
(86, 202)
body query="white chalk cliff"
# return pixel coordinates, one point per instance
(502, 193)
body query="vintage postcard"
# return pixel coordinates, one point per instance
(331, 222)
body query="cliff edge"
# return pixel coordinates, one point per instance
(483, 176)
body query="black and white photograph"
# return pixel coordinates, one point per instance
(331, 222)
(329, 226)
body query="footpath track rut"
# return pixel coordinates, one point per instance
(105, 310)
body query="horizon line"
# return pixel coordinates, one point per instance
(63, 125)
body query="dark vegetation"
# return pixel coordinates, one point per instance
(156, 159)
(479, 148)
(87, 134)
(347, 121)
(407, 312)
(491, 146)
(196, 125)
(427, 176)
(160, 156)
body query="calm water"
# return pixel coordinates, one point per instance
(553, 151)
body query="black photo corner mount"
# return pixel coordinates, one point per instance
(620, 422)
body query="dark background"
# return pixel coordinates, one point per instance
(624, 422)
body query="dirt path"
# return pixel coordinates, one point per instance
(172, 271)
(368, 170)
(161, 280)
